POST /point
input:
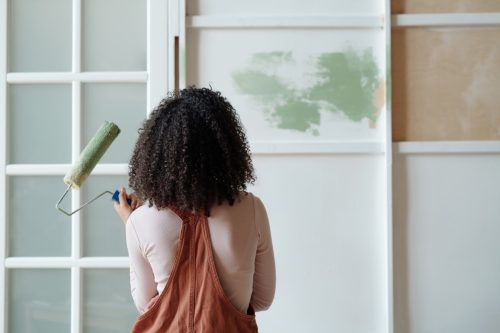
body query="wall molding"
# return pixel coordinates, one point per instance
(446, 20)
(68, 77)
(342, 21)
(67, 262)
(325, 147)
(277, 22)
(447, 147)
(61, 169)
(257, 148)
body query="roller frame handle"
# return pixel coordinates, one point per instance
(116, 197)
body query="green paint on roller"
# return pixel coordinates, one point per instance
(91, 154)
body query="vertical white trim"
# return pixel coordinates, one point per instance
(76, 116)
(76, 147)
(173, 31)
(3, 161)
(388, 156)
(75, 218)
(76, 304)
(149, 55)
(182, 44)
(76, 36)
(157, 52)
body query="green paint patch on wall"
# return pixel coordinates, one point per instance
(272, 58)
(297, 114)
(257, 83)
(345, 82)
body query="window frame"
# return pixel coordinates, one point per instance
(156, 77)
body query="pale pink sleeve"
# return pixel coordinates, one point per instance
(264, 279)
(142, 282)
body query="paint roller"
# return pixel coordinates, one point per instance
(88, 159)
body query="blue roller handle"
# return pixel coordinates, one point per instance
(116, 197)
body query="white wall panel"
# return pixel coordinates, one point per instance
(310, 98)
(446, 243)
(327, 217)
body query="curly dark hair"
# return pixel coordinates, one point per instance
(191, 153)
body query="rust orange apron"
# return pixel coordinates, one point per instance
(193, 299)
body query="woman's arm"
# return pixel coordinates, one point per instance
(142, 282)
(264, 279)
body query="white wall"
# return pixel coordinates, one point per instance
(327, 216)
(447, 242)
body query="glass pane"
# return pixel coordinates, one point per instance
(123, 104)
(40, 230)
(114, 35)
(39, 123)
(103, 231)
(107, 304)
(40, 35)
(39, 300)
(446, 84)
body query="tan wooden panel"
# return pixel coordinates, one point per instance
(446, 84)
(444, 6)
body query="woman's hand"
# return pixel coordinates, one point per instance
(124, 209)
(151, 302)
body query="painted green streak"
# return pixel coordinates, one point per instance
(296, 114)
(346, 82)
(283, 103)
(253, 82)
(271, 58)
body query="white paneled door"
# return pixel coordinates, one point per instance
(66, 66)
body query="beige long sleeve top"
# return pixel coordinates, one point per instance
(241, 243)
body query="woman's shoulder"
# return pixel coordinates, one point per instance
(148, 212)
(243, 198)
(247, 203)
(151, 213)
(245, 195)
(150, 224)
(250, 198)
